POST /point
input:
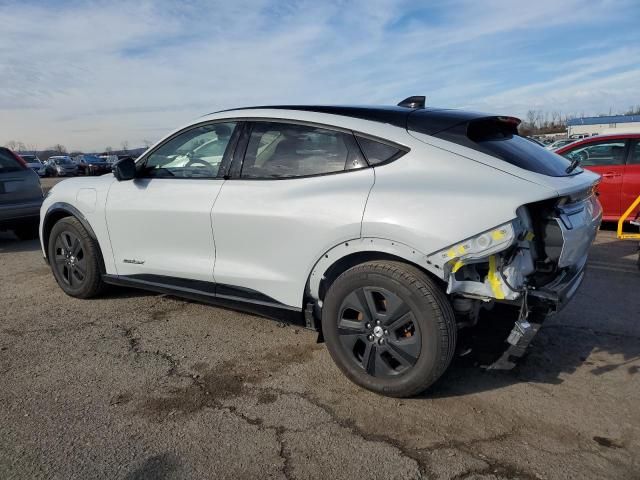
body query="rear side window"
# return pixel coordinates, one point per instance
(377, 152)
(9, 163)
(281, 150)
(598, 153)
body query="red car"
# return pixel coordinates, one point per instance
(617, 159)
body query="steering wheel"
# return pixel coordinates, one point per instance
(198, 162)
(583, 155)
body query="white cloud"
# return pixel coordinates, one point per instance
(94, 74)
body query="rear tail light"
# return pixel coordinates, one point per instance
(20, 160)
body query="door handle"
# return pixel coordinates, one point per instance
(611, 175)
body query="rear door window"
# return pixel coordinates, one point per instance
(282, 150)
(9, 163)
(634, 158)
(595, 154)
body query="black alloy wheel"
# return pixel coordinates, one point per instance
(389, 327)
(75, 259)
(70, 260)
(380, 331)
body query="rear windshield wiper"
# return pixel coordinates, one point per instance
(575, 163)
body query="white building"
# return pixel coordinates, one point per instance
(599, 125)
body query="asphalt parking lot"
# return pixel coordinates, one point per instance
(135, 385)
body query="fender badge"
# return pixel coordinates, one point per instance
(133, 260)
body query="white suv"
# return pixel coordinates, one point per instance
(386, 229)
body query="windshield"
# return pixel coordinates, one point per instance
(29, 158)
(62, 161)
(528, 155)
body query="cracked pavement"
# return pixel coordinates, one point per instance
(135, 385)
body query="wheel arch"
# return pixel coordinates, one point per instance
(56, 212)
(348, 254)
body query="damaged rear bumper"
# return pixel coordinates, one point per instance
(558, 293)
(539, 267)
(544, 253)
(555, 297)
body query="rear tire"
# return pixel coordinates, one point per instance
(75, 259)
(389, 328)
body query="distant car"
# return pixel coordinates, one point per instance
(62, 166)
(33, 162)
(617, 159)
(20, 196)
(559, 144)
(92, 165)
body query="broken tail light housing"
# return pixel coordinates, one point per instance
(478, 247)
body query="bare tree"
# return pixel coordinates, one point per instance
(58, 148)
(108, 150)
(531, 118)
(125, 146)
(11, 145)
(633, 110)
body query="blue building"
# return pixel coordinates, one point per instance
(607, 124)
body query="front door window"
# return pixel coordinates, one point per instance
(195, 153)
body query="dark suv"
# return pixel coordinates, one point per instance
(20, 196)
(92, 165)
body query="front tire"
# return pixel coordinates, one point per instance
(389, 328)
(75, 259)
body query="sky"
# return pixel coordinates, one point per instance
(92, 74)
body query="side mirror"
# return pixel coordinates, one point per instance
(124, 169)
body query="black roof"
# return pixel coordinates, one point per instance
(424, 120)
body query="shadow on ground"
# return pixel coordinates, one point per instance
(9, 243)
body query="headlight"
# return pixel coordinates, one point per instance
(474, 248)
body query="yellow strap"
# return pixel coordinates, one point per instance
(494, 279)
(529, 236)
(457, 266)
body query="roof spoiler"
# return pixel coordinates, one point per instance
(417, 101)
